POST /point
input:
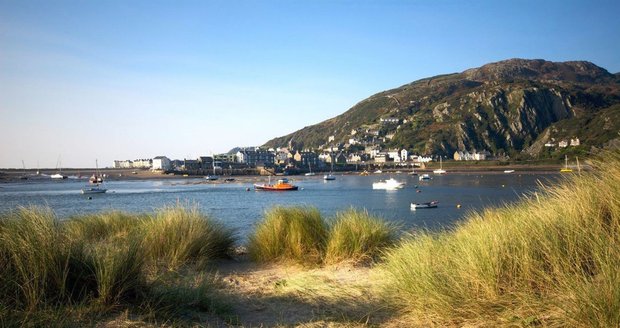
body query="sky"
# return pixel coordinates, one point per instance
(82, 81)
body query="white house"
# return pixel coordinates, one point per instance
(161, 163)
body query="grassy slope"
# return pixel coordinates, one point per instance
(550, 259)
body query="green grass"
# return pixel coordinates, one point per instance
(99, 263)
(301, 235)
(358, 237)
(551, 259)
(296, 234)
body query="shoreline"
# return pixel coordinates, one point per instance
(16, 175)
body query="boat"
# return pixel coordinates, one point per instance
(94, 190)
(378, 172)
(389, 184)
(364, 173)
(424, 176)
(509, 171)
(440, 170)
(566, 169)
(59, 175)
(212, 177)
(281, 185)
(433, 204)
(330, 176)
(310, 173)
(96, 179)
(413, 172)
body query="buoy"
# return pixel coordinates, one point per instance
(458, 205)
(503, 186)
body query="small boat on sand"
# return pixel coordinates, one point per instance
(389, 184)
(509, 171)
(433, 204)
(280, 185)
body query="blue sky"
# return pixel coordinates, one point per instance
(86, 80)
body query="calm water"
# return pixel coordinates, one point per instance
(241, 209)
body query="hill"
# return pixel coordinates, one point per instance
(513, 106)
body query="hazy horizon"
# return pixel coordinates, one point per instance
(127, 80)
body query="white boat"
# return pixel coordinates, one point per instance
(440, 170)
(212, 177)
(424, 176)
(329, 177)
(378, 171)
(58, 176)
(310, 173)
(389, 184)
(509, 171)
(415, 206)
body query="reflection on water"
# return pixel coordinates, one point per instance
(240, 209)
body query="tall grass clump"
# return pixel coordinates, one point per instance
(296, 234)
(551, 259)
(358, 237)
(33, 259)
(102, 226)
(177, 235)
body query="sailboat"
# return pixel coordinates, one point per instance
(96, 179)
(58, 176)
(24, 176)
(440, 170)
(330, 176)
(565, 169)
(310, 173)
(212, 177)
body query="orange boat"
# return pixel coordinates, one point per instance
(281, 185)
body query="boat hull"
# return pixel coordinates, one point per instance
(275, 188)
(415, 206)
(93, 191)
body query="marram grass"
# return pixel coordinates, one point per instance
(176, 236)
(358, 237)
(295, 234)
(100, 262)
(301, 235)
(551, 259)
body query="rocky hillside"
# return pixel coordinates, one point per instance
(513, 107)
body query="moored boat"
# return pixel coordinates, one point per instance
(440, 170)
(509, 171)
(58, 176)
(389, 184)
(329, 177)
(94, 190)
(433, 204)
(280, 185)
(566, 169)
(424, 176)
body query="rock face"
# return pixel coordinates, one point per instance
(502, 107)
